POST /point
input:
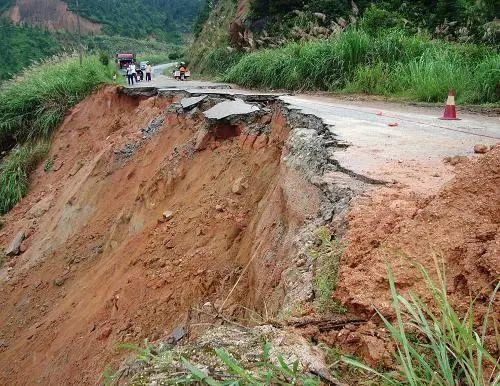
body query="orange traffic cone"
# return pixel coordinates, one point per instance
(450, 113)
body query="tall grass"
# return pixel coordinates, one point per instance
(14, 172)
(438, 346)
(33, 104)
(393, 64)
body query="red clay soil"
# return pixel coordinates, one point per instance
(53, 15)
(460, 225)
(103, 266)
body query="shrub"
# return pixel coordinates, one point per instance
(104, 58)
(375, 19)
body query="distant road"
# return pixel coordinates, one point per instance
(158, 70)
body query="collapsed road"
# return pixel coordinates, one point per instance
(181, 213)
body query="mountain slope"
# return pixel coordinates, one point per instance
(53, 15)
(166, 20)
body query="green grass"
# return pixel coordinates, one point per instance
(393, 64)
(33, 105)
(437, 345)
(14, 172)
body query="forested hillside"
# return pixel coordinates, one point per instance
(164, 20)
(161, 19)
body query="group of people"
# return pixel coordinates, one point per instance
(137, 74)
(181, 72)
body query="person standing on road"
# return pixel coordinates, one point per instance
(148, 72)
(134, 71)
(130, 75)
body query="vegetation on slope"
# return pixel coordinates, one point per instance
(33, 104)
(393, 63)
(165, 20)
(416, 50)
(20, 46)
(209, 53)
(466, 20)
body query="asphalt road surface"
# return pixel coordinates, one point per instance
(391, 142)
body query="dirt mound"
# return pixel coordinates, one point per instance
(460, 225)
(134, 227)
(51, 14)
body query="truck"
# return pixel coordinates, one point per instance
(123, 60)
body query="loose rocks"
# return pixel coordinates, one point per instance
(13, 249)
(168, 215)
(238, 186)
(480, 149)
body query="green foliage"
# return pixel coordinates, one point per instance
(465, 20)
(48, 165)
(203, 14)
(327, 257)
(393, 64)
(113, 44)
(21, 46)
(437, 345)
(33, 104)
(219, 61)
(376, 19)
(104, 58)
(165, 20)
(14, 172)
(174, 55)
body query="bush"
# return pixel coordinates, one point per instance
(33, 104)
(104, 58)
(375, 19)
(174, 55)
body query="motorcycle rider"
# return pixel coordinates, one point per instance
(183, 70)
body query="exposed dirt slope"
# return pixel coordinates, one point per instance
(51, 14)
(102, 265)
(459, 226)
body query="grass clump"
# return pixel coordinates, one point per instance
(327, 256)
(15, 170)
(437, 346)
(393, 64)
(33, 104)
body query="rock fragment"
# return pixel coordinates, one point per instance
(238, 186)
(227, 109)
(191, 102)
(168, 215)
(480, 148)
(13, 249)
(202, 139)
